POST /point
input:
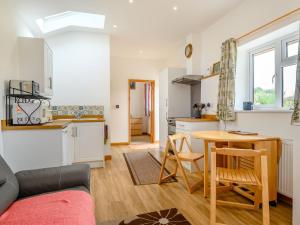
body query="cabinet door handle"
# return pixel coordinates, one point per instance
(74, 131)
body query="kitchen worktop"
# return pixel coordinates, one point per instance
(205, 118)
(57, 123)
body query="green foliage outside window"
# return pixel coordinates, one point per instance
(268, 97)
(264, 97)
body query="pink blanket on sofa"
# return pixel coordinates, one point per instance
(61, 208)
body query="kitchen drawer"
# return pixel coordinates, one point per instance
(136, 126)
(186, 126)
(135, 132)
(136, 120)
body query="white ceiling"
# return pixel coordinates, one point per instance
(150, 26)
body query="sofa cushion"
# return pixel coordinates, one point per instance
(66, 208)
(9, 189)
(40, 181)
(2, 178)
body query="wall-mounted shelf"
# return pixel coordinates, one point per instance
(28, 96)
(209, 76)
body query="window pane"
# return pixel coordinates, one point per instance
(292, 48)
(289, 84)
(264, 78)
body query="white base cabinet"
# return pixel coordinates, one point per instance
(197, 144)
(35, 149)
(89, 142)
(68, 145)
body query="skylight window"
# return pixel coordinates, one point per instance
(71, 19)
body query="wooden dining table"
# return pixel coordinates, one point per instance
(225, 139)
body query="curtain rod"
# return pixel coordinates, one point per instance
(269, 23)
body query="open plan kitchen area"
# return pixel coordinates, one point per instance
(137, 112)
(46, 111)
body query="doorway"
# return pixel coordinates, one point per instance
(141, 111)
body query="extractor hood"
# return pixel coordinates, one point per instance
(188, 79)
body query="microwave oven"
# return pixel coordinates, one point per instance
(30, 113)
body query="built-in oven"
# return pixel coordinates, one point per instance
(171, 125)
(171, 130)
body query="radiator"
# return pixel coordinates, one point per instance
(285, 170)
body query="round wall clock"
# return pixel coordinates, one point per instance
(189, 50)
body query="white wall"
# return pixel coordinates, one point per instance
(137, 103)
(123, 69)
(81, 70)
(177, 58)
(10, 29)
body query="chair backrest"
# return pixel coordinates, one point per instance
(183, 138)
(9, 186)
(236, 152)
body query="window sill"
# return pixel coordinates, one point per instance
(264, 111)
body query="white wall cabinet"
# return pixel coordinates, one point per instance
(34, 149)
(36, 63)
(89, 143)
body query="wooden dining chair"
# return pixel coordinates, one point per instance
(179, 156)
(256, 178)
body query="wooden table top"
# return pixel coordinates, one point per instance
(224, 136)
(56, 124)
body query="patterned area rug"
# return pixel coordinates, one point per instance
(144, 168)
(163, 217)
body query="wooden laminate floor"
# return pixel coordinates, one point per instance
(117, 198)
(140, 139)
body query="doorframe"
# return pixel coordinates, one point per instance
(152, 112)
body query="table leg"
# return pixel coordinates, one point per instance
(230, 158)
(206, 169)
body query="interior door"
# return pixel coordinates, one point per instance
(152, 112)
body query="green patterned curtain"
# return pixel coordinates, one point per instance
(296, 113)
(226, 96)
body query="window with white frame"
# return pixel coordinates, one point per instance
(273, 73)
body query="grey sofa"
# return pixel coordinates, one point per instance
(35, 182)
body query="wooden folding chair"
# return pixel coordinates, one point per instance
(257, 178)
(179, 156)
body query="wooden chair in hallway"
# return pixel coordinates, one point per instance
(256, 178)
(179, 156)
